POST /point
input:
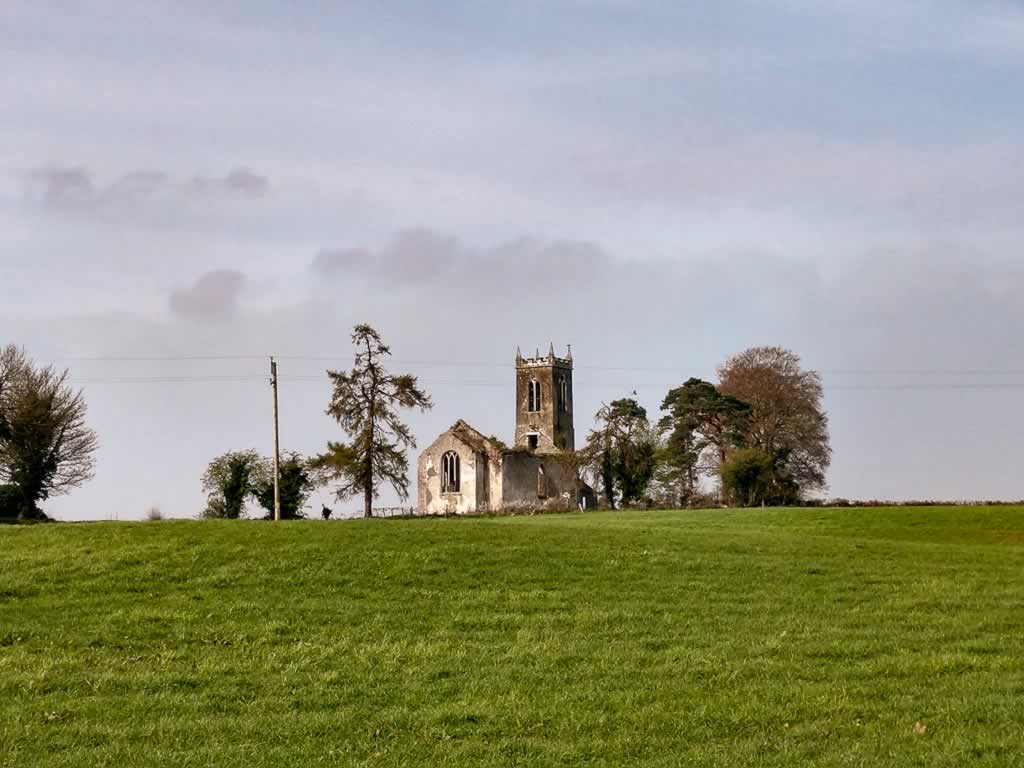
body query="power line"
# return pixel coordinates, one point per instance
(958, 384)
(496, 383)
(155, 358)
(490, 364)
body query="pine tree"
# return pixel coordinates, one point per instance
(700, 425)
(365, 403)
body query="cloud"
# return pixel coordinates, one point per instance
(413, 257)
(240, 183)
(213, 296)
(924, 305)
(839, 114)
(74, 189)
(61, 185)
(426, 259)
(899, 334)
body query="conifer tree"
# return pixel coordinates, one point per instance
(700, 425)
(365, 403)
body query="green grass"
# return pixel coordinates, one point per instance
(728, 638)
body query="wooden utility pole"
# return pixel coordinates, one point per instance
(277, 444)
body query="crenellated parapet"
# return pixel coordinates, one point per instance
(543, 361)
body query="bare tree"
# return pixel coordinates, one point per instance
(365, 403)
(12, 362)
(46, 449)
(787, 420)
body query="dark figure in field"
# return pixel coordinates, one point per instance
(325, 513)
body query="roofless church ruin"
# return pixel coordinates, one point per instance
(463, 472)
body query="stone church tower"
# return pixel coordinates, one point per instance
(544, 418)
(463, 472)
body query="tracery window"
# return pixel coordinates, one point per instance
(450, 480)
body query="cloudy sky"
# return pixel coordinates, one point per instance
(188, 187)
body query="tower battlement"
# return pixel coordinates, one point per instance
(539, 361)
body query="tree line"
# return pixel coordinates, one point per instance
(758, 436)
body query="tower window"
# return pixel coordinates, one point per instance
(534, 398)
(532, 441)
(450, 480)
(563, 394)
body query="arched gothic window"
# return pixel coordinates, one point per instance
(542, 483)
(534, 399)
(563, 394)
(450, 480)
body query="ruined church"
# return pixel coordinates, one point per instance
(464, 472)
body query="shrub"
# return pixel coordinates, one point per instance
(153, 514)
(704, 500)
(747, 477)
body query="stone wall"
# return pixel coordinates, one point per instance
(524, 487)
(509, 482)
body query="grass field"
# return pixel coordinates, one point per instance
(889, 637)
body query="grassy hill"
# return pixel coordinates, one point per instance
(772, 638)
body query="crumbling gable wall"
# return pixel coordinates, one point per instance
(480, 480)
(431, 500)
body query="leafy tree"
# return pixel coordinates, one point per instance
(46, 449)
(700, 426)
(296, 483)
(787, 420)
(636, 466)
(229, 480)
(621, 451)
(747, 476)
(365, 403)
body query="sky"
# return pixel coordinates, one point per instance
(187, 188)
